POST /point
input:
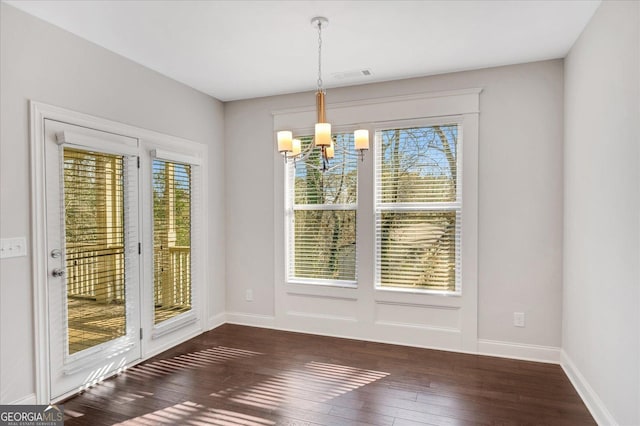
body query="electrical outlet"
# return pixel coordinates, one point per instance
(248, 295)
(518, 319)
(13, 247)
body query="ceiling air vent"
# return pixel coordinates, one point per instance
(352, 74)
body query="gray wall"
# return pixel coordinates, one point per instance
(601, 324)
(520, 187)
(43, 63)
(520, 194)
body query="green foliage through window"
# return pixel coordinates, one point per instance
(324, 216)
(172, 192)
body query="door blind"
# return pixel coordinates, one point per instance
(418, 208)
(172, 228)
(99, 240)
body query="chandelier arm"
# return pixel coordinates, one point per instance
(304, 155)
(325, 159)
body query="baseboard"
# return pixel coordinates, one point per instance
(264, 321)
(253, 320)
(216, 321)
(548, 354)
(590, 398)
(386, 341)
(25, 400)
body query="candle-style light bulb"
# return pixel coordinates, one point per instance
(296, 147)
(285, 141)
(330, 150)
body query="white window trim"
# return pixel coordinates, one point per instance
(291, 207)
(396, 108)
(290, 298)
(194, 154)
(456, 205)
(186, 318)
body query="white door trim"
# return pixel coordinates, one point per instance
(38, 113)
(38, 255)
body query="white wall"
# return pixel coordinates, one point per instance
(601, 306)
(520, 195)
(41, 62)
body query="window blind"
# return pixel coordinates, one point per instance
(418, 208)
(321, 212)
(172, 235)
(100, 240)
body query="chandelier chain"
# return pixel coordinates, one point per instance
(319, 55)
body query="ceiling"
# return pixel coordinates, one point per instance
(245, 49)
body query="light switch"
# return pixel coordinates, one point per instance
(518, 319)
(13, 247)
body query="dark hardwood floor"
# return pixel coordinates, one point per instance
(237, 375)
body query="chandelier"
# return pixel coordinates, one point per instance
(292, 148)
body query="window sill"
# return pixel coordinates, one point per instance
(426, 292)
(416, 297)
(333, 289)
(173, 324)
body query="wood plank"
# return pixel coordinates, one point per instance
(236, 375)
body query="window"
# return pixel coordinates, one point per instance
(418, 208)
(321, 214)
(413, 269)
(172, 192)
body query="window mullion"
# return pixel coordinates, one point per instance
(353, 206)
(456, 205)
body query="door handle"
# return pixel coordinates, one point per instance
(57, 273)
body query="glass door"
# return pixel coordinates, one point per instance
(94, 283)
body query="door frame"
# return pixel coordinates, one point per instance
(38, 113)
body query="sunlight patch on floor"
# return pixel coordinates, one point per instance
(191, 413)
(190, 361)
(316, 381)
